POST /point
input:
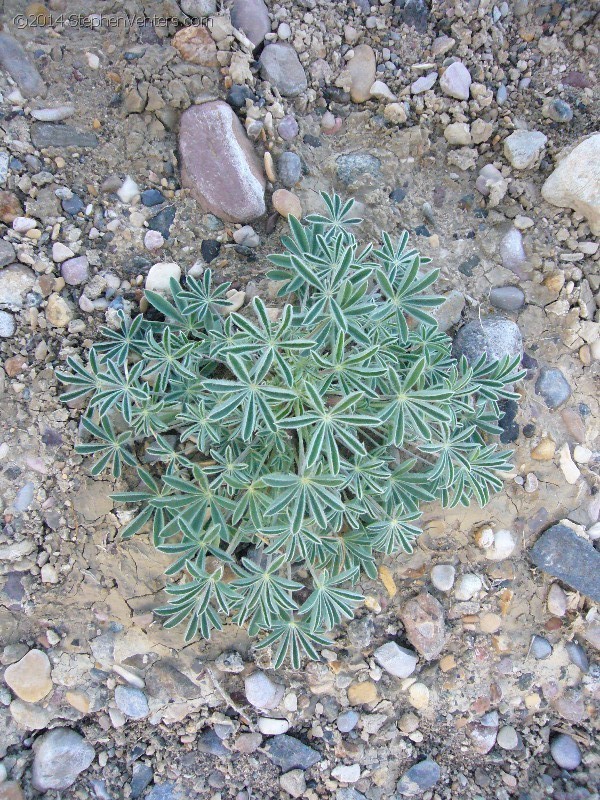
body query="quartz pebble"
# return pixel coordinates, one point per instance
(262, 692)
(246, 236)
(456, 80)
(396, 660)
(53, 114)
(442, 577)
(567, 465)
(159, 276)
(540, 648)
(424, 83)
(418, 696)
(153, 240)
(565, 751)
(512, 251)
(60, 252)
(347, 721)
(523, 148)
(467, 586)
(346, 774)
(129, 189)
(502, 547)
(269, 726)
(7, 325)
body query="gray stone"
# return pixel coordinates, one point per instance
(507, 298)
(508, 738)
(288, 753)
(289, 168)
(557, 110)
(347, 721)
(396, 660)
(208, 742)
(565, 751)
(142, 775)
(524, 148)
(352, 166)
(483, 737)
(15, 282)
(4, 162)
(75, 270)
(24, 497)
(443, 576)
(132, 702)
(349, 793)
(7, 253)
(17, 63)
(166, 791)
(49, 134)
(456, 81)
(198, 8)
(7, 325)
(219, 165)
(288, 128)
(419, 778)
(512, 252)
(281, 66)
(564, 555)
(540, 648)
(552, 386)
(294, 783)
(251, 17)
(494, 337)
(60, 755)
(577, 656)
(413, 12)
(450, 312)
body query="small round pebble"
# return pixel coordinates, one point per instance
(468, 586)
(75, 270)
(442, 577)
(565, 751)
(153, 240)
(289, 169)
(132, 702)
(347, 721)
(152, 197)
(508, 738)
(540, 648)
(288, 128)
(286, 203)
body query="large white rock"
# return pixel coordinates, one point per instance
(159, 276)
(575, 183)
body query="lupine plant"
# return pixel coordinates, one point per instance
(273, 456)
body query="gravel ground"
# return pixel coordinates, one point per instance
(473, 126)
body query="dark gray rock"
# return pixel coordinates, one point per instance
(19, 66)
(281, 66)
(289, 168)
(565, 751)
(50, 134)
(152, 197)
(552, 386)
(7, 253)
(413, 12)
(73, 205)
(60, 755)
(563, 554)
(162, 221)
(507, 298)
(165, 791)
(577, 656)
(208, 742)
(419, 778)
(290, 753)
(495, 337)
(352, 166)
(142, 775)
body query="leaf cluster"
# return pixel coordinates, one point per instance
(276, 457)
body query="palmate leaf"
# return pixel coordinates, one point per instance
(282, 455)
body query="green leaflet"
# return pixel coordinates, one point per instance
(274, 452)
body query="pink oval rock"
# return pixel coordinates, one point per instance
(219, 165)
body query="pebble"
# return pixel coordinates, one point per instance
(577, 656)
(60, 252)
(195, 45)
(419, 778)
(423, 619)
(418, 696)
(294, 783)
(450, 312)
(132, 702)
(495, 337)
(424, 83)
(565, 751)
(507, 738)
(288, 128)
(286, 203)
(540, 648)
(49, 134)
(7, 253)
(362, 693)
(507, 298)
(568, 557)
(557, 110)
(251, 17)
(491, 184)
(458, 133)
(58, 312)
(162, 221)
(502, 547)
(128, 190)
(153, 240)
(395, 113)
(396, 660)
(574, 182)
(24, 498)
(16, 62)
(353, 165)
(467, 586)
(362, 69)
(289, 168)
(159, 276)
(23, 224)
(281, 66)
(152, 197)
(246, 236)
(567, 465)
(29, 678)
(7, 325)
(443, 576)
(288, 753)
(456, 81)
(581, 454)
(73, 205)
(524, 148)
(269, 726)
(380, 91)
(347, 721)
(544, 451)
(210, 249)
(556, 601)
(346, 773)
(512, 252)
(75, 271)
(142, 774)
(483, 737)
(553, 387)
(262, 692)
(232, 189)
(29, 716)
(16, 281)
(60, 756)
(53, 114)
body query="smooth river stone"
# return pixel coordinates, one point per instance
(219, 165)
(19, 66)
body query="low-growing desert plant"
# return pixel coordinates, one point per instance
(278, 454)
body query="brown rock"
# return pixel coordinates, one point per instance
(219, 165)
(544, 451)
(195, 44)
(360, 693)
(29, 678)
(286, 203)
(14, 365)
(10, 207)
(361, 68)
(423, 618)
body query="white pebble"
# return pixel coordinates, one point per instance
(93, 60)
(567, 465)
(60, 252)
(468, 586)
(159, 276)
(153, 240)
(273, 727)
(442, 577)
(128, 190)
(53, 114)
(23, 224)
(346, 774)
(503, 546)
(581, 454)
